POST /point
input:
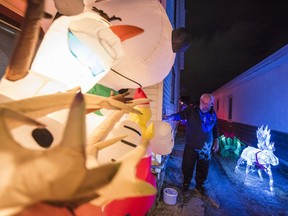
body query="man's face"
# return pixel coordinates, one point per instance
(205, 104)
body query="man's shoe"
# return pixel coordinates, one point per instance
(201, 190)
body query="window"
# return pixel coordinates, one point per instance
(230, 103)
(217, 105)
(172, 93)
(8, 38)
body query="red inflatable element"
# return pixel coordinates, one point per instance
(89, 210)
(136, 206)
(42, 209)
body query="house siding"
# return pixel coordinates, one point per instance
(259, 97)
(155, 94)
(172, 85)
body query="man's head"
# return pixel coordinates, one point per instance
(206, 102)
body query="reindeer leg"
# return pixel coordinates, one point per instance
(260, 174)
(240, 160)
(269, 172)
(248, 167)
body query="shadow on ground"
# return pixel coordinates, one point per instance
(226, 188)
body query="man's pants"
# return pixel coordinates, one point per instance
(190, 158)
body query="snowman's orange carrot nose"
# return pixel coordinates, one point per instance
(125, 32)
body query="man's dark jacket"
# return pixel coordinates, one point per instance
(201, 127)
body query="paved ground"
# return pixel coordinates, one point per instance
(227, 191)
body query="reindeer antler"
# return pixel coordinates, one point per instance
(25, 47)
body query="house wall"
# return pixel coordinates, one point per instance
(171, 84)
(259, 97)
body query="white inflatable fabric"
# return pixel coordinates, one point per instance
(78, 50)
(163, 141)
(148, 58)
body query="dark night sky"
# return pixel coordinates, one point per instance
(228, 38)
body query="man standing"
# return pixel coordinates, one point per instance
(201, 139)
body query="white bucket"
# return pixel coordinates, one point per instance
(170, 196)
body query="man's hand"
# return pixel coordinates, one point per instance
(215, 147)
(168, 118)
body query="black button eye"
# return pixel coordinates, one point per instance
(43, 137)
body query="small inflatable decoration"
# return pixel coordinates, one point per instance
(163, 141)
(125, 183)
(230, 145)
(41, 209)
(124, 134)
(132, 139)
(136, 206)
(260, 158)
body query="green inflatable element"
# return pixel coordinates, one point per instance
(230, 147)
(101, 90)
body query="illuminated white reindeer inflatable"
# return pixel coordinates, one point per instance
(260, 158)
